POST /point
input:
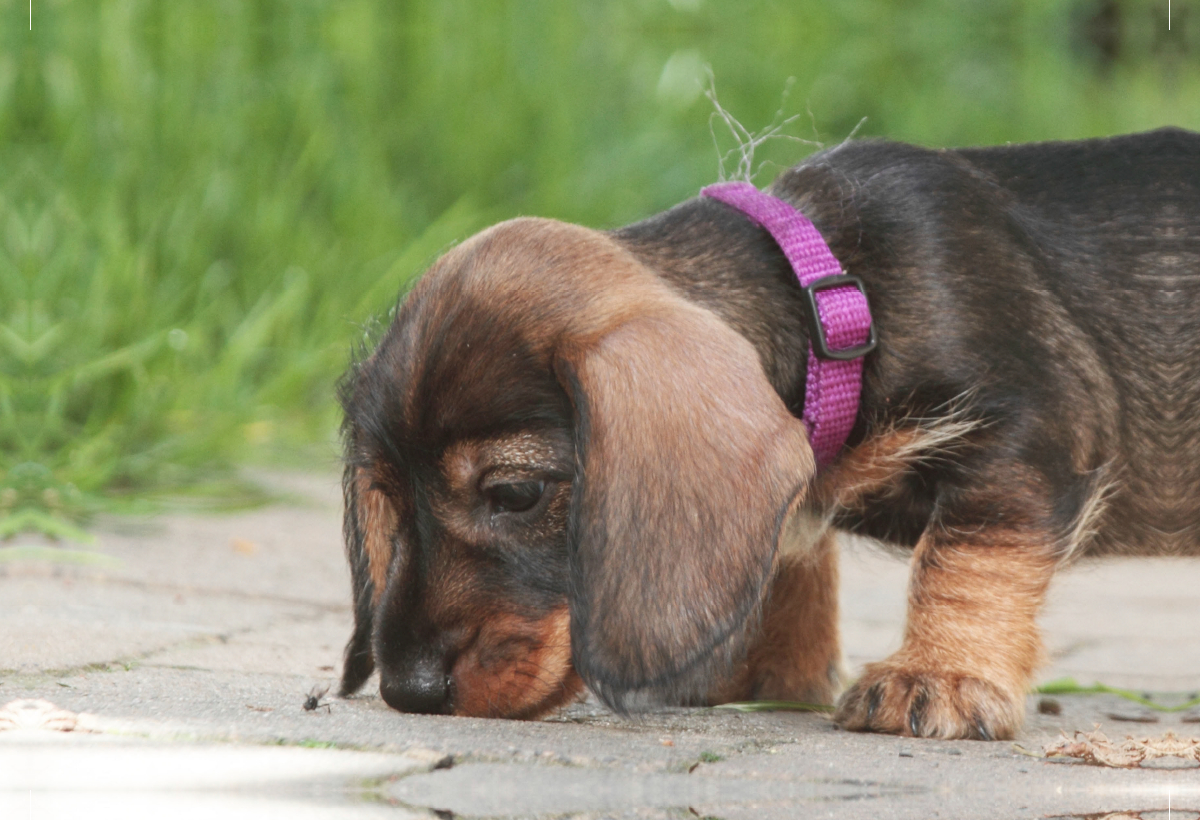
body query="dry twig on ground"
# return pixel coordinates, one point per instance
(1095, 748)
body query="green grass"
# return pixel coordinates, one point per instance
(202, 205)
(1068, 686)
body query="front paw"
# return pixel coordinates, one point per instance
(895, 698)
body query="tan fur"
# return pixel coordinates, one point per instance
(379, 523)
(885, 456)
(517, 668)
(676, 416)
(796, 653)
(971, 643)
(871, 466)
(1088, 523)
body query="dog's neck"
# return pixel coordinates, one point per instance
(721, 260)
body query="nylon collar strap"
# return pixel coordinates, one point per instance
(839, 318)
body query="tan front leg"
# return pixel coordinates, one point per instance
(971, 643)
(796, 653)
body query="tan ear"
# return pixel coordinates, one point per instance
(687, 461)
(369, 530)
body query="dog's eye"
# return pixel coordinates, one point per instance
(518, 496)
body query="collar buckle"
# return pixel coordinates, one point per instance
(817, 331)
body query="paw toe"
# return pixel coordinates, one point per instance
(929, 704)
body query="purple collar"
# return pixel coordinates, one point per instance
(839, 319)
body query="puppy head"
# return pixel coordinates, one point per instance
(558, 470)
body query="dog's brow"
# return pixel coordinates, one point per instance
(463, 459)
(524, 448)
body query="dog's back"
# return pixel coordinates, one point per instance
(1056, 283)
(1119, 219)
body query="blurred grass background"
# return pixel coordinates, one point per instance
(203, 204)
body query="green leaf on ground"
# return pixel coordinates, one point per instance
(1069, 686)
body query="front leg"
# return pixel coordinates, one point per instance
(971, 643)
(795, 653)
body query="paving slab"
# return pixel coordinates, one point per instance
(189, 643)
(47, 774)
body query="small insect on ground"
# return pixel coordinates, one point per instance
(313, 701)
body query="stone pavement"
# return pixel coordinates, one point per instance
(182, 648)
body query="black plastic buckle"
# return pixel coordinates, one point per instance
(816, 331)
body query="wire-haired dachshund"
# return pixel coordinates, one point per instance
(577, 457)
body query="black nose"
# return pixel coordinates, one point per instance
(416, 684)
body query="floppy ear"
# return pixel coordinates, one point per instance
(369, 530)
(687, 461)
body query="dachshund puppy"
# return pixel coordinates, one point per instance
(576, 458)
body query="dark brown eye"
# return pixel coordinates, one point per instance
(517, 496)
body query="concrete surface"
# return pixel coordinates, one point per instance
(182, 648)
